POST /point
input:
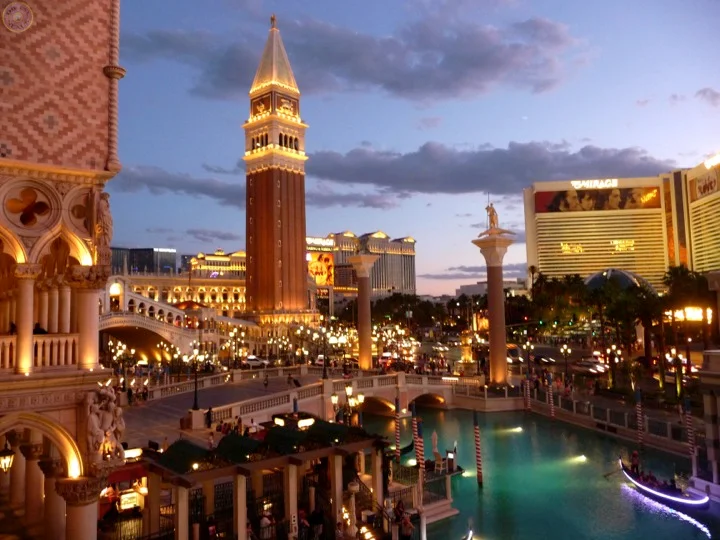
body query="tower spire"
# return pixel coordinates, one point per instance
(274, 68)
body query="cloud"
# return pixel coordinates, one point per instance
(209, 235)
(159, 230)
(429, 122)
(709, 96)
(463, 215)
(510, 271)
(437, 168)
(430, 56)
(676, 98)
(642, 102)
(159, 181)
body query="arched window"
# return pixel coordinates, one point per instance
(296, 144)
(285, 140)
(280, 139)
(265, 138)
(252, 143)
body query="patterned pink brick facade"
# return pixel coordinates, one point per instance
(54, 97)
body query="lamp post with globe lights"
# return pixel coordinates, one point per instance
(528, 348)
(566, 351)
(613, 354)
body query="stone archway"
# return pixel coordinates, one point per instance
(62, 439)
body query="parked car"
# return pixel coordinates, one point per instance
(253, 362)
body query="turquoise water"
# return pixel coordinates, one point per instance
(536, 486)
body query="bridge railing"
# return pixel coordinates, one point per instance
(266, 403)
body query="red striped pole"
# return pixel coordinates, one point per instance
(550, 396)
(478, 452)
(420, 446)
(397, 429)
(639, 418)
(690, 428)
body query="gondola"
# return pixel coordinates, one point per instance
(674, 498)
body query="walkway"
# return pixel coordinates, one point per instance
(155, 420)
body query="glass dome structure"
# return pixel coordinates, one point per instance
(623, 278)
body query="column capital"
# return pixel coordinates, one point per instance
(27, 271)
(52, 468)
(363, 263)
(87, 277)
(80, 491)
(32, 450)
(15, 438)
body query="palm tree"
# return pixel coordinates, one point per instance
(533, 271)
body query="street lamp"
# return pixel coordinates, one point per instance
(565, 350)
(527, 348)
(195, 406)
(6, 457)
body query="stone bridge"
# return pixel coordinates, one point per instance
(379, 391)
(177, 335)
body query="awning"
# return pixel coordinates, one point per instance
(127, 473)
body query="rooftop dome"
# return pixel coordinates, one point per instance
(623, 278)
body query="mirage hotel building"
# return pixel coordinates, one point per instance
(642, 225)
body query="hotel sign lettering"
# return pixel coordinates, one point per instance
(315, 243)
(705, 184)
(608, 183)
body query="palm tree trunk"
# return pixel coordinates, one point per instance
(661, 355)
(647, 340)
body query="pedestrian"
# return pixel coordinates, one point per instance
(316, 522)
(266, 381)
(211, 441)
(208, 418)
(406, 528)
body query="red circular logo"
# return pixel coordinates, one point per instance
(17, 17)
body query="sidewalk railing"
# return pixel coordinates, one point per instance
(612, 418)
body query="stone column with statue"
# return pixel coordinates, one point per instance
(493, 244)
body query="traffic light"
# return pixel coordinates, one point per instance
(540, 322)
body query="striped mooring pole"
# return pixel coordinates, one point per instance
(397, 429)
(551, 398)
(478, 452)
(414, 426)
(690, 428)
(420, 457)
(528, 405)
(639, 418)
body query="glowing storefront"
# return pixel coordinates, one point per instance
(584, 226)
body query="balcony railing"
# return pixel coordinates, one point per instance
(50, 352)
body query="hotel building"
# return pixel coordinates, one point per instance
(703, 215)
(584, 226)
(643, 225)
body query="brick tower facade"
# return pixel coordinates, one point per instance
(59, 74)
(277, 284)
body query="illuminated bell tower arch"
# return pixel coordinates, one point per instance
(275, 173)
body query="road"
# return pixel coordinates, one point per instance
(155, 420)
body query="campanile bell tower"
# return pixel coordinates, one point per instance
(275, 173)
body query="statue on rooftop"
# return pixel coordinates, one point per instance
(492, 217)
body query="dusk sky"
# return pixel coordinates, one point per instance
(417, 110)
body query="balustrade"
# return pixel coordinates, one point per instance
(8, 347)
(55, 350)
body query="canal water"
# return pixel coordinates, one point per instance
(544, 479)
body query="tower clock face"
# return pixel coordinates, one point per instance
(17, 17)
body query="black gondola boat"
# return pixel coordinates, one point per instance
(674, 498)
